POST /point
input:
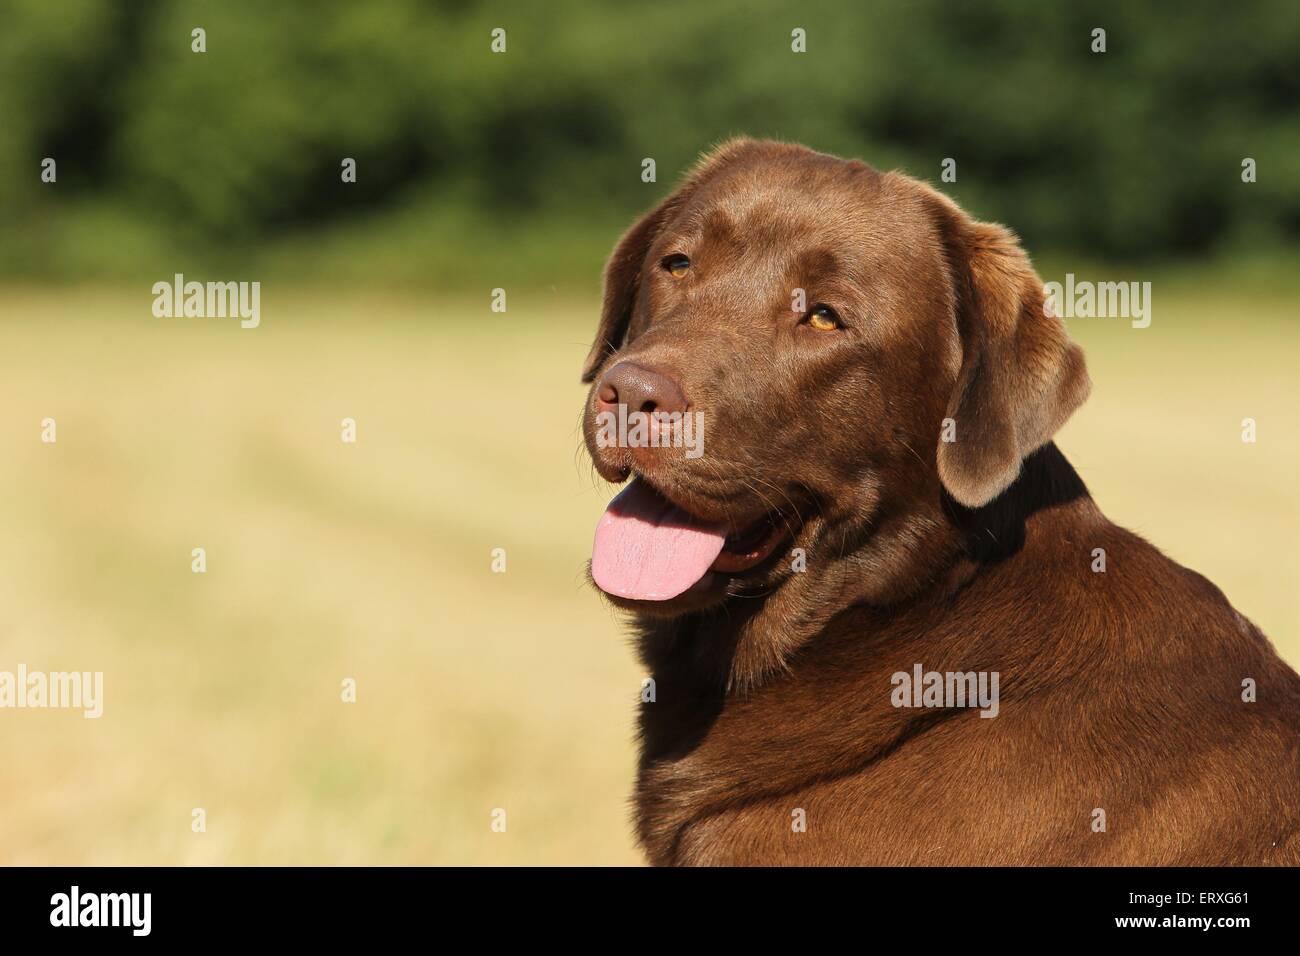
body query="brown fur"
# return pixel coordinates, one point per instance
(1120, 690)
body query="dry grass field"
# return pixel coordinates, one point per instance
(326, 561)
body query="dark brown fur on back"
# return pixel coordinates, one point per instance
(1120, 690)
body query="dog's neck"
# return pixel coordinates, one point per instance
(997, 530)
(927, 548)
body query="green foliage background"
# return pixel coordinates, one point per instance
(171, 159)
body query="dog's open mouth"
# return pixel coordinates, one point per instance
(649, 549)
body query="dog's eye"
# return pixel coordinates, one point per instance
(823, 318)
(677, 265)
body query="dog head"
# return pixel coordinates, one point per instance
(797, 353)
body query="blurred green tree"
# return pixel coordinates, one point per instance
(1135, 152)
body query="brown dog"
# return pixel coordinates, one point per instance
(878, 545)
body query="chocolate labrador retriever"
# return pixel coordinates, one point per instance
(885, 622)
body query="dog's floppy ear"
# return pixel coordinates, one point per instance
(623, 271)
(1021, 376)
(622, 280)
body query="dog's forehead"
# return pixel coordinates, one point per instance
(794, 193)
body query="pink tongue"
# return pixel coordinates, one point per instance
(648, 549)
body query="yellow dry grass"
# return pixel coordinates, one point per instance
(372, 561)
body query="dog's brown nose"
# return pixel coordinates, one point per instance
(640, 389)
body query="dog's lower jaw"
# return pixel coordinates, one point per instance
(749, 637)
